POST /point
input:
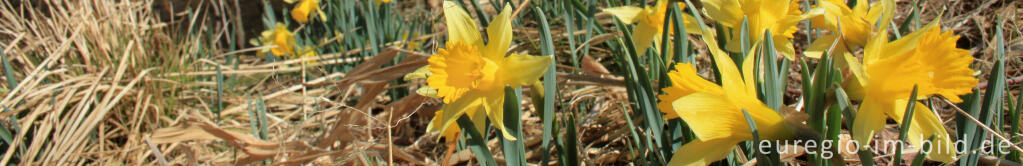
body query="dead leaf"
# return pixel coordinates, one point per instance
(193, 129)
(593, 67)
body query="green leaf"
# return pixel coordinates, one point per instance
(921, 155)
(12, 82)
(766, 159)
(641, 93)
(220, 92)
(681, 43)
(476, 142)
(775, 89)
(549, 88)
(907, 119)
(992, 103)
(514, 151)
(967, 130)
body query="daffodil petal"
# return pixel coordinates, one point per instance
(861, 10)
(449, 113)
(909, 42)
(517, 70)
(875, 45)
(748, 65)
(882, 15)
(869, 120)
(494, 104)
(854, 87)
(500, 34)
(924, 125)
(731, 78)
(821, 46)
(684, 81)
(777, 9)
(702, 153)
(478, 117)
(692, 26)
(642, 36)
(833, 10)
(461, 26)
(784, 46)
(627, 14)
(709, 116)
(727, 12)
(713, 116)
(451, 133)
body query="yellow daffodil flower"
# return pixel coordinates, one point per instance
(470, 76)
(854, 26)
(301, 12)
(280, 37)
(651, 23)
(927, 58)
(714, 112)
(779, 16)
(382, 1)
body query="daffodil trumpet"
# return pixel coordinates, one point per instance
(927, 58)
(305, 7)
(714, 112)
(470, 76)
(651, 23)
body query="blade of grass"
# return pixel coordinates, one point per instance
(641, 92)
(907, 119)
(550, 90)
(632, 130)
(921, 155)
(220, 92)
(967, 131)
(744, 40)
(571, 152)
(12, 83)
(1014, 117)
(260, 118)
(514, 151)
(570, 25)
(484, 19)
(476, 142)
(765, 159)
(774, 90)
(681, 43)
(992, 103)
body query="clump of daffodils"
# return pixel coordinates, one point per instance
(470, 76)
